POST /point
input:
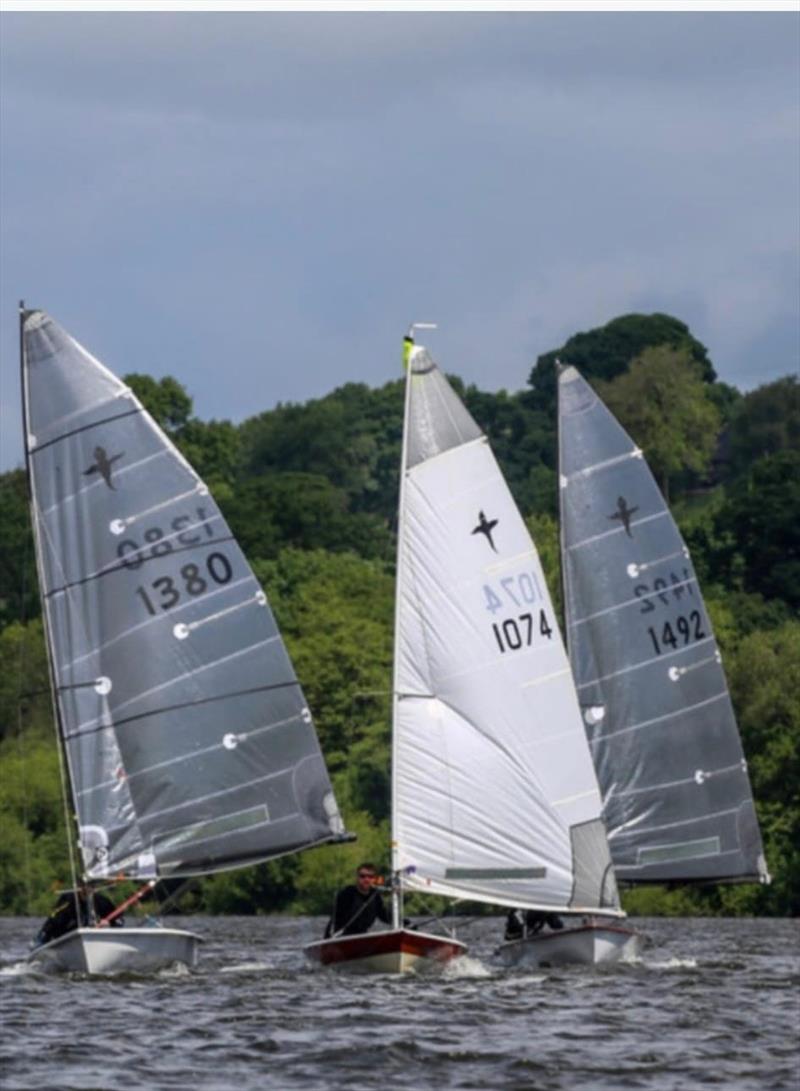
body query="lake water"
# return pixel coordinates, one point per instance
(711, 1003)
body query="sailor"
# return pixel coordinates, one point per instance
(357, 907)
(63, 917)
(534, 921)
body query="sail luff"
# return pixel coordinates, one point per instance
(65, 776)
(400, 567)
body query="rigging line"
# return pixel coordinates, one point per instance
(646, 663)
(659, 719)
(84, 428)
(77, 733)
(127, 565)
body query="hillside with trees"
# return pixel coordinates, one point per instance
(310, 491)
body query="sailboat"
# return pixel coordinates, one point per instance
(186, 743)
(677, 801)
(494, 795)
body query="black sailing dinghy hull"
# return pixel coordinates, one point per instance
(392, 952)
(590, 943)
(117, 950)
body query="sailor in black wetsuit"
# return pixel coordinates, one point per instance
(533, 923)
(356, 908)
(63, 918)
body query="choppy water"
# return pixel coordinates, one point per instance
(712, 1003)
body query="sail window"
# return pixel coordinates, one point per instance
(495, 873)
(684, 850)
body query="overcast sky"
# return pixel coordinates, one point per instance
(260, 204)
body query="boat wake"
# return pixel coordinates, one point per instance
(465, 966)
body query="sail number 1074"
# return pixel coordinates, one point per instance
(519, 632)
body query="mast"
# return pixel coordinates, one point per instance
(561, 486)
(63, 757)
(408, 352)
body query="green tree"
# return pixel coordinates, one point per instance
(605, 352)
(19, 594)
(662, 401)
(760, 522)
(302, 511)
(766, 422)
(164, 399)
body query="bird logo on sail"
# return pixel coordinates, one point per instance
(486, 526)
(102, 465)
(623, 514)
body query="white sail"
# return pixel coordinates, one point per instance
(494, 793)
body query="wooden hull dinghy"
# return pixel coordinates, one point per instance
(397, 951)
(590, 943)
(118, 950)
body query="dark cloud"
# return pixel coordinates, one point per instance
(274, 197)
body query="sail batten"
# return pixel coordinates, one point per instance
(173, 697)
(657, 710)
(494, 795)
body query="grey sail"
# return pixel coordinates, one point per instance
(189, 744)
(658, 716)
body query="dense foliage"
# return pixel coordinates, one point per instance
(311, 491)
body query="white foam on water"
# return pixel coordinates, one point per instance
(17, 969)
(246, 968)
(668, 964)
(465, 966)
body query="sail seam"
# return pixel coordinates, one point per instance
(619, 832)
(645, 663)
(628, 602)
(180, 758)
(174, 708)
(635, 453)
(84, 428)
(118, 473)
(617, 530)
(118, 567)
(707, 775)
(173, 612)
(660, 719)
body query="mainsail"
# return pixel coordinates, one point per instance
(494, 794)
(677, 798)
(189, 744)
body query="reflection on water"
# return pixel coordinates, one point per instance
(710, 1002)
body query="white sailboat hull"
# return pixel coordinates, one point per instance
(397, 951)
(588, 944)
(118, 950)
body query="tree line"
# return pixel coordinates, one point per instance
(310, 491)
